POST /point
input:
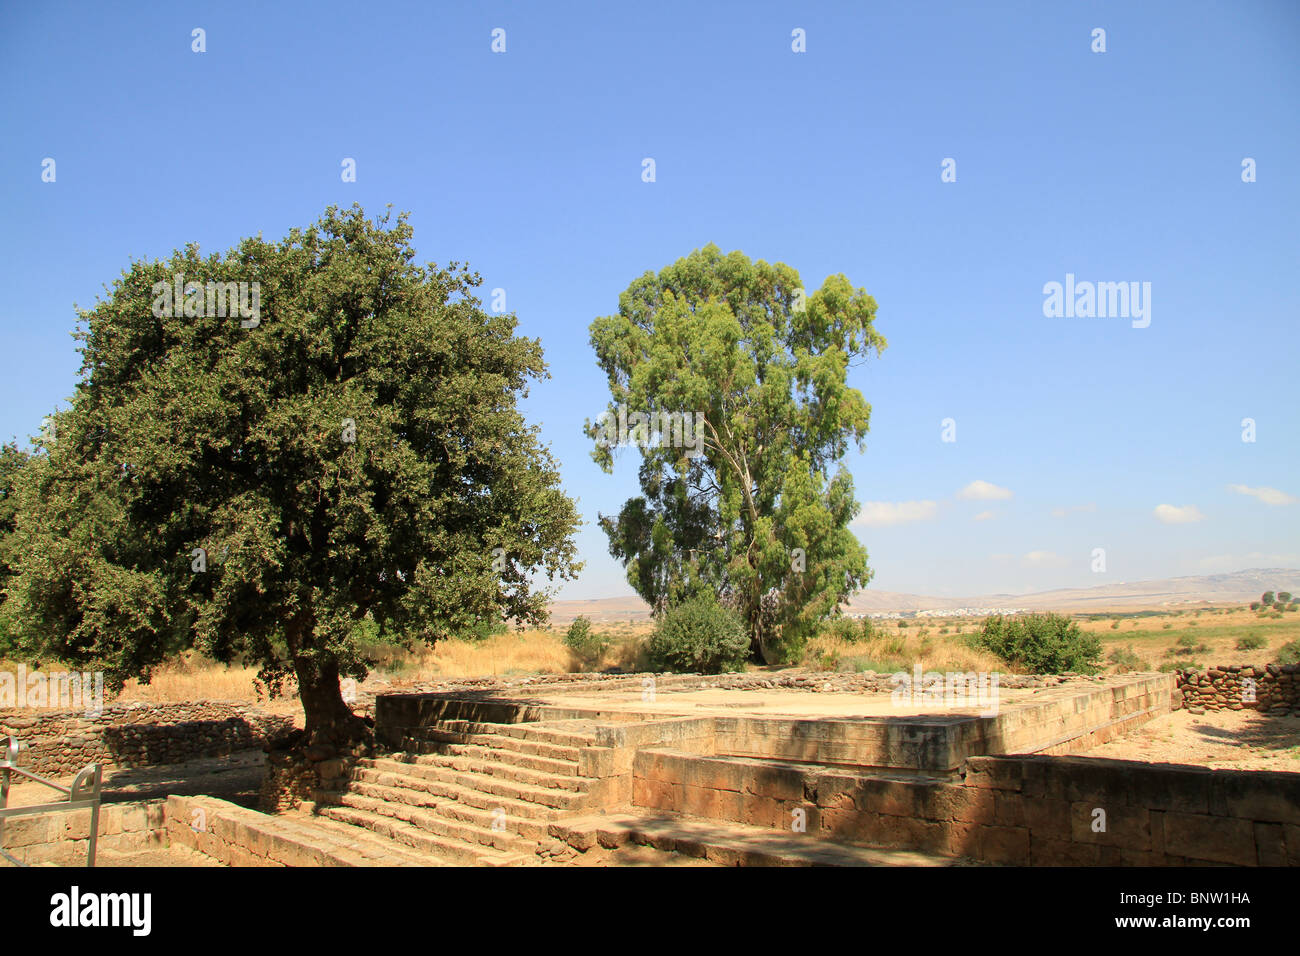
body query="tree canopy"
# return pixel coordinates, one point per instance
(253, 482)
(751, 508)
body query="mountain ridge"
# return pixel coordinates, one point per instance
(1235, 587)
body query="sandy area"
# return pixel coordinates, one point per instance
(1222, 740)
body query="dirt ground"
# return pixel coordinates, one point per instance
(236, 778)
(1222, 740)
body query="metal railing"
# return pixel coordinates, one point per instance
(83, 794)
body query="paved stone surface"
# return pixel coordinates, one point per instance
(733, 844)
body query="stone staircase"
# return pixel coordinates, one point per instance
(468, 793)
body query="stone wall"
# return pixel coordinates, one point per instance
(237, 836)
(1226, 687)
(60, 743)
(57, 837)
(1020, 810)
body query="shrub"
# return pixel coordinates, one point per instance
(1288, 653)
(846, 629)
(1125, 660)
(1251, 642)
(482, 631)
(1041, 643)
(1254, 605)
(585, 643)
(699, 636)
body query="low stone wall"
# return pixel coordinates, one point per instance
(53, 837)
(1272, 688)
(60, 743)
(237, 836)
(1021, 810)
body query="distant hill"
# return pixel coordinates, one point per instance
(1235, 588)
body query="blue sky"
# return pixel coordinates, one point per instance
(1117, 166)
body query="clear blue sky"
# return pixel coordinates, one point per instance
(1115, 166)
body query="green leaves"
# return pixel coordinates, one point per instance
(766, 364)
(358, 451)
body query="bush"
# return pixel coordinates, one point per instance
(481, 631)
(1041, 643)
(1288, 653)
(699, 636)
(587, 644)
(1125, 660)
(847, 629)
(1251, 642)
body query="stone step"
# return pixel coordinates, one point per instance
(453, 852)
(558, 733)
(444, 790)
(732, 844)
(560, 768)
(497, 821)
(506, 771)
(374, 849)
(518, 744)
(427, 819)
(486, 783)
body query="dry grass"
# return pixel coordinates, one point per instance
(892, 650)
(1212, 632)
(193, 678)
(502, 655)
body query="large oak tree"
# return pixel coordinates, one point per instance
(254, 487)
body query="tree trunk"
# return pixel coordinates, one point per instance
(329, 720)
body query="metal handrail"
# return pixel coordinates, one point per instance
(83, 794)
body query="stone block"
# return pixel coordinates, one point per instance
(1125, 826)
(1213, 839)
(1270, 844)
(993, 844)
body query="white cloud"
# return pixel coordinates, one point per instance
(985, 515)
(1043, 559)
(1062, 512)
(984, 491)
(883, 513)
(1270, 496)
(1170, 514)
